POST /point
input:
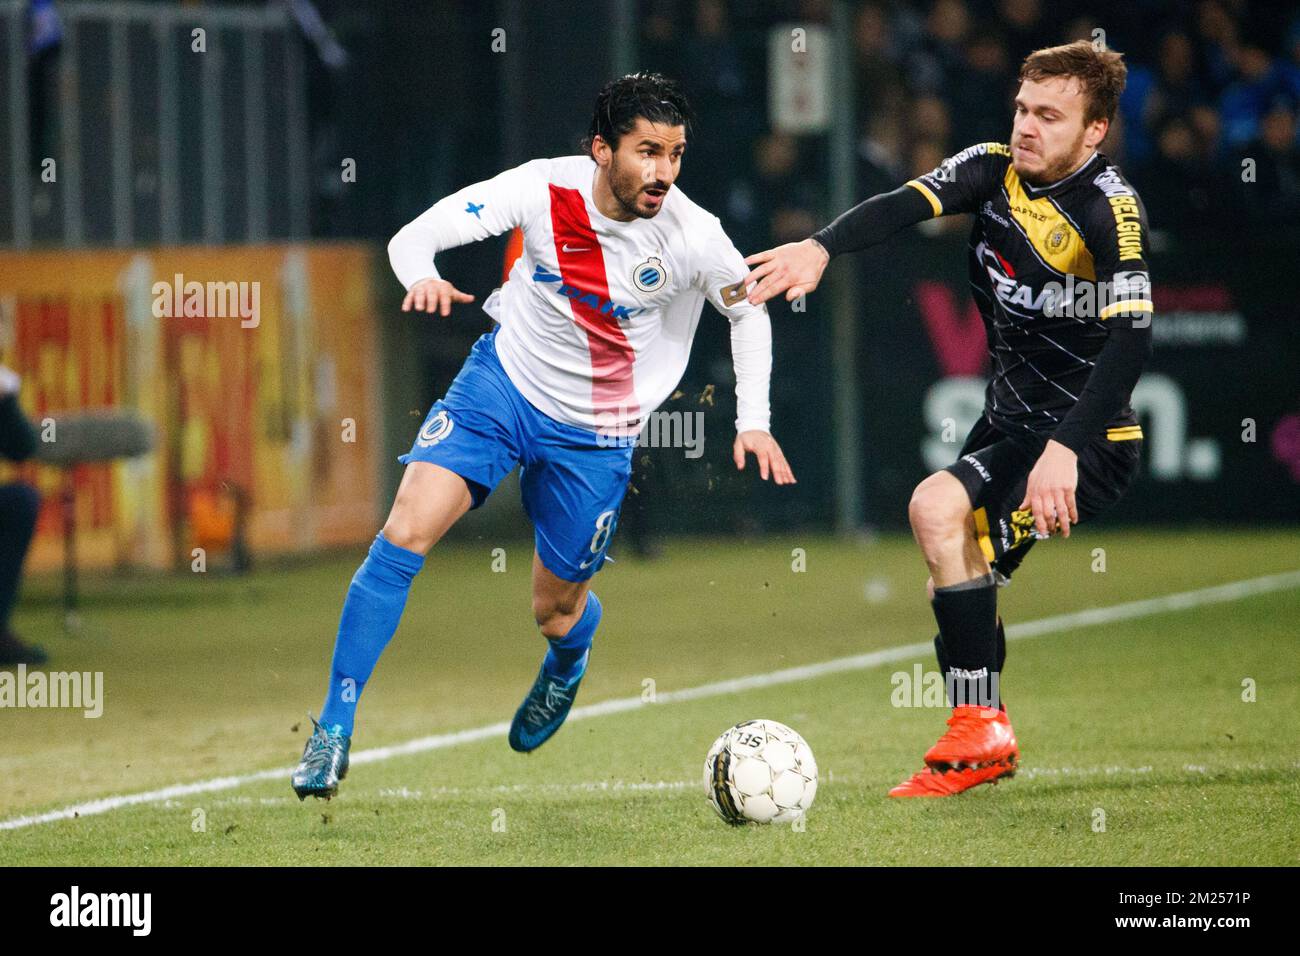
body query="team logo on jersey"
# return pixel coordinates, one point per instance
(1056, 239)
(650, 275)
(435, 430)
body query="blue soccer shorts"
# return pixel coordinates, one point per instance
(572, 481)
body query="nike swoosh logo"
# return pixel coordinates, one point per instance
(567, 248)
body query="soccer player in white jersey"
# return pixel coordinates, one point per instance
(595, 324)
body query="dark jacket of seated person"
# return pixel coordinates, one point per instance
(19, 505)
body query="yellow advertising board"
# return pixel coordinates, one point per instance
(257, 367)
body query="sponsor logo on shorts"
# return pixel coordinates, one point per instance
(1020, 530)
(978, 466)
(435, 430)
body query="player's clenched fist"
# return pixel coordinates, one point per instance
(794, 269)
(434, 295)
(770, 457)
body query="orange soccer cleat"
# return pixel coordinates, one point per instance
(979, 747)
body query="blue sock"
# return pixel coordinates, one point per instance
(568, 654)
(370, 614)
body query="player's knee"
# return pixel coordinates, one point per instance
(408, 534)
(555, 615)
(938, 511)
(412, 524)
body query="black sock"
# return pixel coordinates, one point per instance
(939, 653)
(968, 645)
(1002, 646)
(1002, 657)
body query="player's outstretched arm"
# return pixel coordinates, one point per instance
(796, 268)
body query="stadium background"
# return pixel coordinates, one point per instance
(1161, 691)
(232, 165)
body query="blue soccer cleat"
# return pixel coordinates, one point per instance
(543, 710)
(324, 763)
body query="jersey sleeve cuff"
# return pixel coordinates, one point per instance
(1131, 308)
(928, 193)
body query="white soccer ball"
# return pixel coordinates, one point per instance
(760, 771)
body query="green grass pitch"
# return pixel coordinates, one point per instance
(1137, 745)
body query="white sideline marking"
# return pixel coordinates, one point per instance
(1218, 594)
(617, 787)
(434, 793)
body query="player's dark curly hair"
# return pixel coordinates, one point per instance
(651, 96)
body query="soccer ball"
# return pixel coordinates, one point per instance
(760, 771)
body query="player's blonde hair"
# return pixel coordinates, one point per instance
(1101, 72)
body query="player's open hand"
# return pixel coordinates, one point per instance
(434, 295)
(794, 268)
(1050, 492)
(771, 460)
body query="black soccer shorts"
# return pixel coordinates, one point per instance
(994, 469)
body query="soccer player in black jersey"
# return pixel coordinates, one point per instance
(1058, 270)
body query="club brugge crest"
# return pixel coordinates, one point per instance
(650, 276)
(435, 430)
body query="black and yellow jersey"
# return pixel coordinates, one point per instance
(1053, 270)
